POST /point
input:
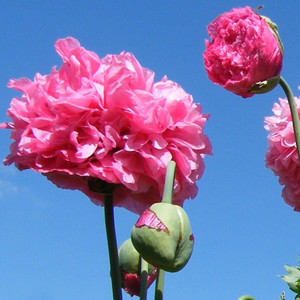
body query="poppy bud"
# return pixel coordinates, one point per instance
(163, 236)
(246, 297)
(129, 262)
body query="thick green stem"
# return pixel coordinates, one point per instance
(169, 182)
(112, 247)
(294, 112)
(167, 198)
(144, 277)
(159, 286)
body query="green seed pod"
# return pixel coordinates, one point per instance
(163, 236)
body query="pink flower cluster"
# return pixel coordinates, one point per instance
(243, 51)
(281, 156)
(107, 119)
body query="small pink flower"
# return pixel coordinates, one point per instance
(243, 51)
(106, 119)
(131, 282)
(282, 156)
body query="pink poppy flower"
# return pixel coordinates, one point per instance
(131, 282)
(282, 156)
(244, 50)
(107, 120)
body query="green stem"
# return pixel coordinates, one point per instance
(167, 198)
(159, 286)
(294, 112)
(169, 182)
(112, 247)
(144, 277)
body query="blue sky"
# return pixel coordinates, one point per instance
(52, 241)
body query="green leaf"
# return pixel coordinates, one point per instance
(293, 278)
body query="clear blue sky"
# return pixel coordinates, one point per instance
(52, 241)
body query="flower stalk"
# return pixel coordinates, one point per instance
(112, 247)
(144, 276)
(294, 112)
(167, 198)
(169, 182)
(159, 286)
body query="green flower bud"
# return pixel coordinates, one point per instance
(129, 262)
(246, 297)
(163, 236)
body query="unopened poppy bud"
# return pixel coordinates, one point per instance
(163, 236)
(129, 262)
(246, 297)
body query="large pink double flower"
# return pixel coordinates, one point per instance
(106, 119)
(282, 156)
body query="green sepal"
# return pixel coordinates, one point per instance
(265, 86)
(273, 27)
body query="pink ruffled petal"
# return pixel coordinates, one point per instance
(282, 156)
(242, 52)
(105, 119)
